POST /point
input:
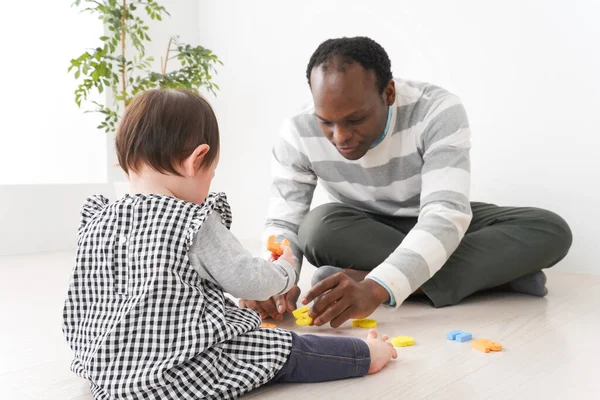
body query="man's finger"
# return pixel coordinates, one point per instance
(343, 317)
(280, 304)
(321, 287)
(248, 304)
(253, 305)
(256, 307)
(270, 308)
(331, 313)
(325, 301)
(291, 298)
(261, 311)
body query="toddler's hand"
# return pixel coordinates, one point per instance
(381, 351)
(287, 255)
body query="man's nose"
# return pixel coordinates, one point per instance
(341, 134)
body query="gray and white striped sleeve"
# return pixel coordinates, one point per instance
(445, 210)
(292, 189)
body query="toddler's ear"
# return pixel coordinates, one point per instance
(191, 164)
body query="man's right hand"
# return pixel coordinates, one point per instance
(275, 306)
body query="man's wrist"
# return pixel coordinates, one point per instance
(379, 292)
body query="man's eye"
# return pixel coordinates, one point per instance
(356, 120)
(326, 123)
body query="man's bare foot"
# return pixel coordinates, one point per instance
(381, 351)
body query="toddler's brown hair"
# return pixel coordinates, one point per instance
(162, 127)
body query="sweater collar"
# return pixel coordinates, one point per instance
(385, 130)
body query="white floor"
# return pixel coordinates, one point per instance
(551, 345)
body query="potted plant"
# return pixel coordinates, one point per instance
(120, 65)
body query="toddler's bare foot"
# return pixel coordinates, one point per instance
(381, 351)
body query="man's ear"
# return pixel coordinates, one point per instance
(389, 94)
(191, 165)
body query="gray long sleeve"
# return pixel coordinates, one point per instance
(218, 256)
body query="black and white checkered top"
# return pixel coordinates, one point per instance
(140, 320)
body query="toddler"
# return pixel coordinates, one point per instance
(146, 315)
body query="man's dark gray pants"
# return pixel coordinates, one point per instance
(501, 244)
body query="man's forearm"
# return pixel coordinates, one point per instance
(380, 293)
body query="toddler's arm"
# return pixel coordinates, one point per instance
(218, 256)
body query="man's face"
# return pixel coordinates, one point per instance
(349, 108)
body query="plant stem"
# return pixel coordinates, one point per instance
(123, 77)
(164, 71)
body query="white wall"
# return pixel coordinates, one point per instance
(40, 218)
(527, 72)
(45, 138)
(51, 155)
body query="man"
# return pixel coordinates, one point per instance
(393, 156)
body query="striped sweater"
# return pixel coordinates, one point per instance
(421, 168)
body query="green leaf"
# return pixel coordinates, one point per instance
(101, 68)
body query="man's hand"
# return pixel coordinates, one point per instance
(343, 298)
(275, 306)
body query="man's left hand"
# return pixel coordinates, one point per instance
(275, 306)
(342, 298)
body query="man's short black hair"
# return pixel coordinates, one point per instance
(360, 49)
